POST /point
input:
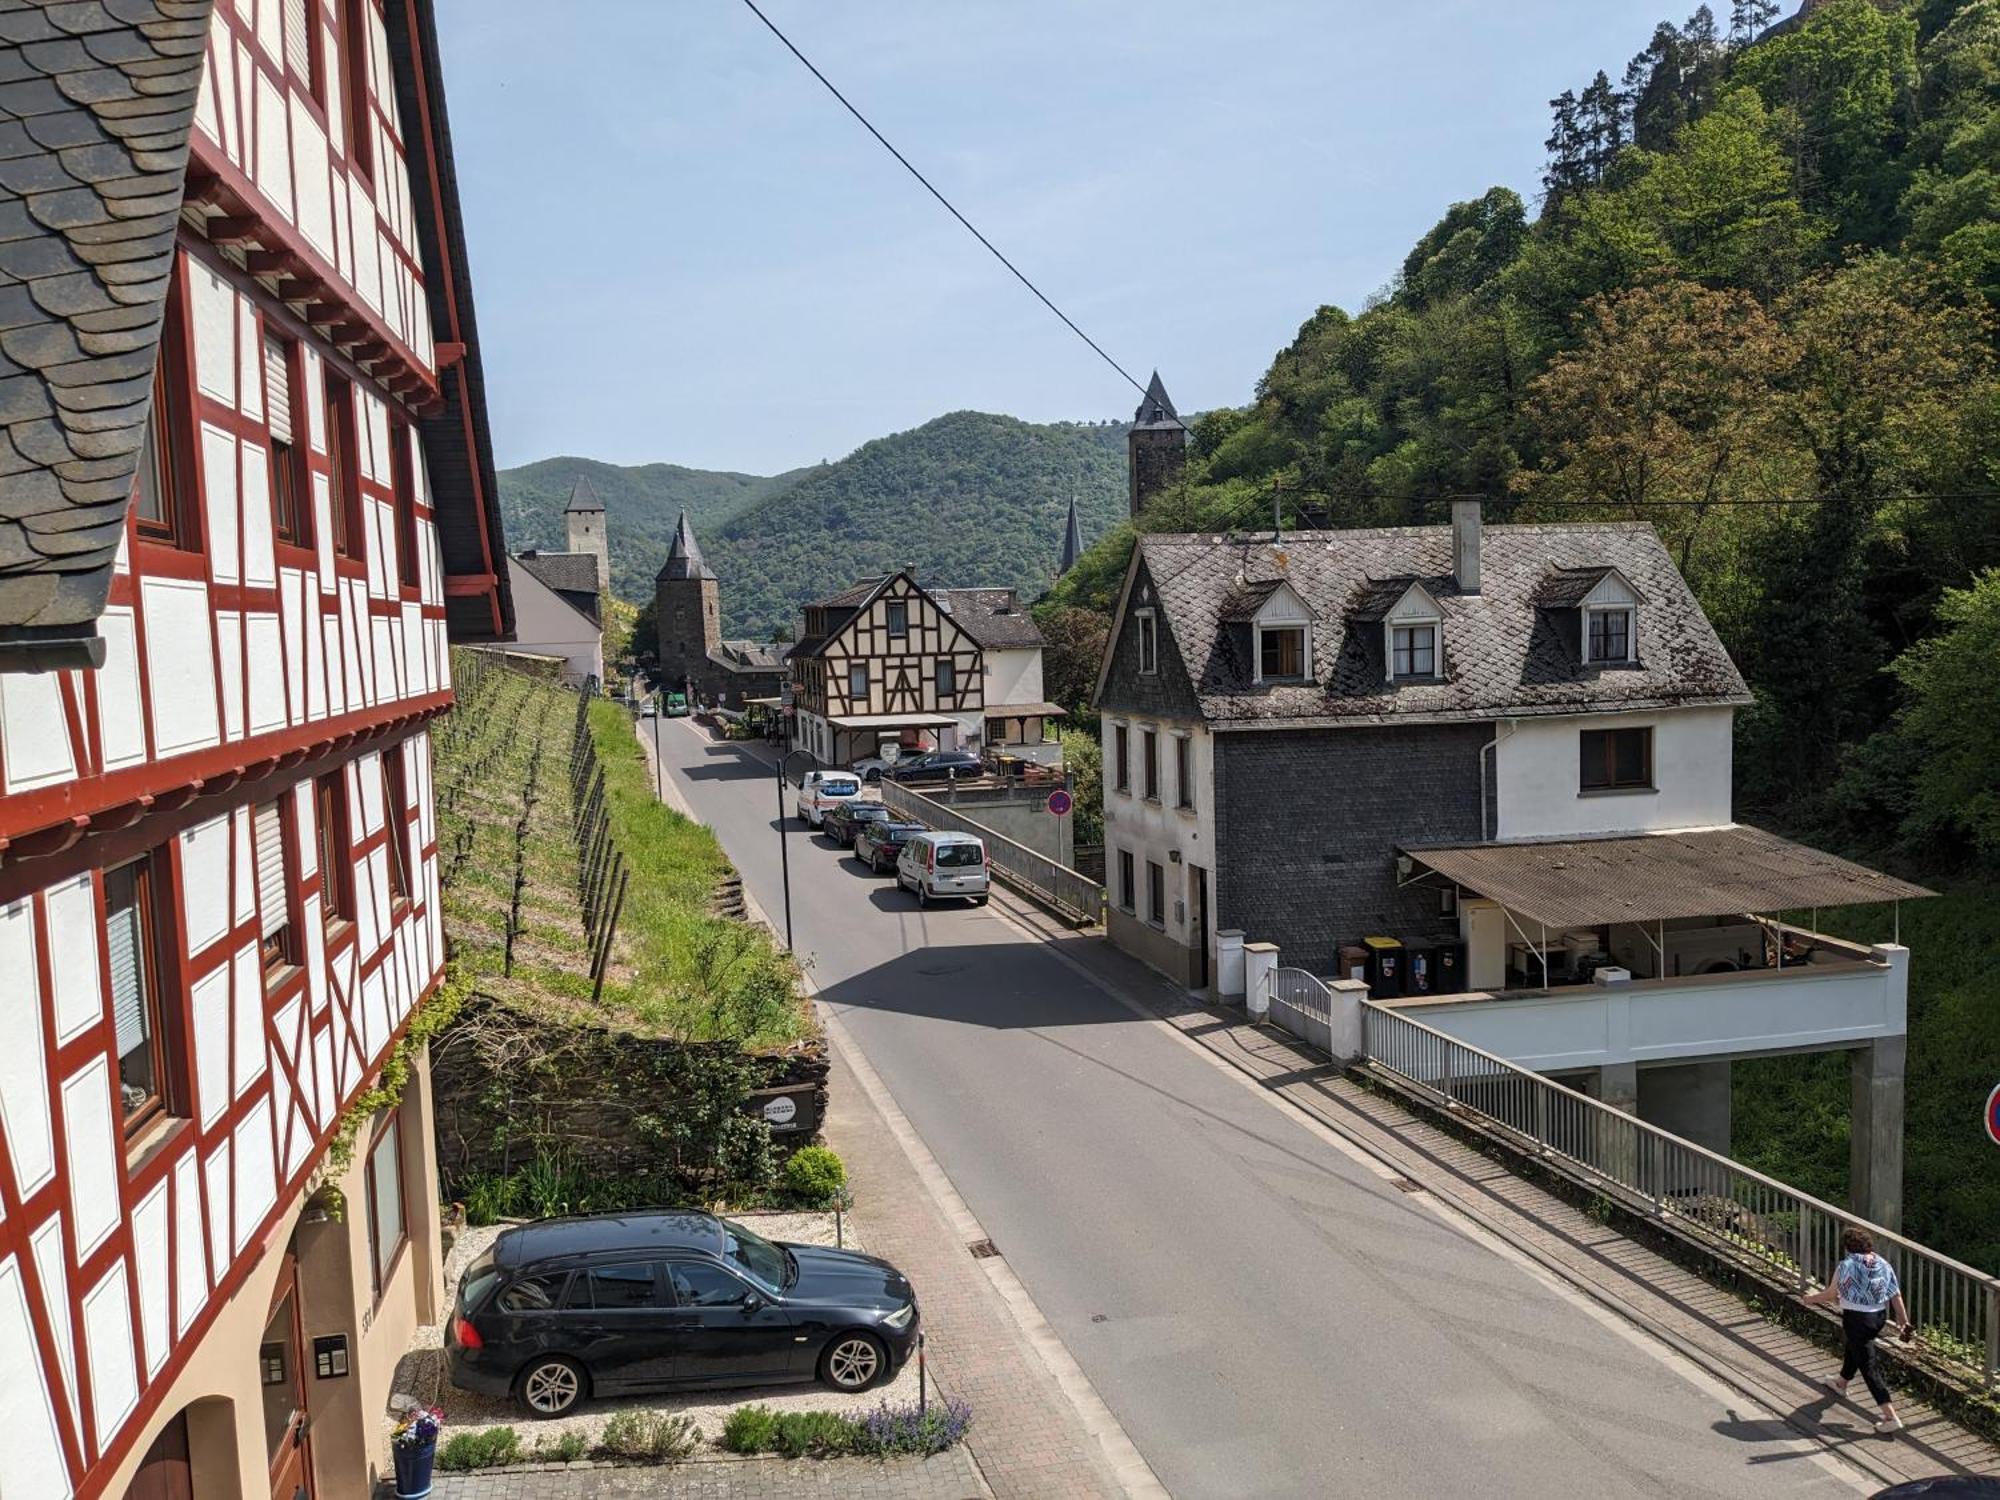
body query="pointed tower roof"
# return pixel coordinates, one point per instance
(1156, 411)
(684, 556)
(1072, 541)
(582, 497)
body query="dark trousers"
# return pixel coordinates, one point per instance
(1860, 1330)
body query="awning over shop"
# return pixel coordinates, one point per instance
(1653, 877)
(894, 721)
(1024, 710)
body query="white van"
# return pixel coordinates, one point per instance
(820, 790)
(935, 863)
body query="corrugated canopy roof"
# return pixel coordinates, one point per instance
(1653, 877)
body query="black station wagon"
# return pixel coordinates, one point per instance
(609, 1304)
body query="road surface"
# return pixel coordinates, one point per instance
(1263, 1315)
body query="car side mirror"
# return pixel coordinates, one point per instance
(752, 1302)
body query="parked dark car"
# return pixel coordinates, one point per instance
(877, 845)
(844, 820)
(939, 765)
(605, 1304)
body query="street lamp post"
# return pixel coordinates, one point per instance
(784, 846)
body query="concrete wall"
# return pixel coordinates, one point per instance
(1537, 770)
(546, 625)
(1307, 822)
(1023, 817)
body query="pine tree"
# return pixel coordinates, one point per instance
(1747, 20)
(1565, 171)
(1600, 119)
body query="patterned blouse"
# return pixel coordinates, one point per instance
(1867, 1282)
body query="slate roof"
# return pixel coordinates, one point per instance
(96, 101)
(1156, 409)
(1072, 547)
(1505, 652)
(992, 617)
(582, 496)
(852, 598)
(565, 572)
(684, 558)
(748, 656)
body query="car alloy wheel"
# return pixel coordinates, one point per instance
(551, 1388)
(853, 1362)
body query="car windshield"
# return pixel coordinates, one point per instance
(477, 1282)
(839, 786)
(868, 812)
(770, 1266)
(961, 854)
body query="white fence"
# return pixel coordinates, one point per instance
(1071, 892)
(1741, 1215)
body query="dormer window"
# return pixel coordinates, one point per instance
(1609, 634)
(1413, 651)
(1281, 652)
(1149, 643)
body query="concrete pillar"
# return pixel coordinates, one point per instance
(1618, 1086)
(1229, 963)
(1259, 959)
(1690, 1100)
(1347, 1028)
(1875, 1141)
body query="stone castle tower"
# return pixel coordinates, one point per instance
(584, 519)
(687, 605)
(1156, 447)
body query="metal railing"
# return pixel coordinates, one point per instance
(1302, 1005)
(1741, 1215)
(1071, 892)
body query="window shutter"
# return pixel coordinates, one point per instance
(272, 908)
(298, 46)
(278, 389)
(128, 979)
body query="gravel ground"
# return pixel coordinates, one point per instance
(421, 1372)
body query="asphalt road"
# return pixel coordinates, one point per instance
(1263, 1315)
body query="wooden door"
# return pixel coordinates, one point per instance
(281, 1373)
(165, 1473)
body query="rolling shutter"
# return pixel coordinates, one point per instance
(124, 947)
(278, 389)
(272, 909)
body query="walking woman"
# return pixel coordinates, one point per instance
(1866, 1288)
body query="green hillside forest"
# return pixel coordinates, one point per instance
(966, 500)
(641, 504)
(1756, 307)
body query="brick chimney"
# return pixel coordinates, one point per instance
(1465, 544)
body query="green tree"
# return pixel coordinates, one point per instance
(1073, 647)
(1951, 722)
(1465, 250)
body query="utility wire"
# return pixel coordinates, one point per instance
(971, 228)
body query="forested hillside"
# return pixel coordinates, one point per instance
(641, 504)
(966, 500)
(1756, 308)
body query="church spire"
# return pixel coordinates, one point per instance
(1072, 547)
(582, 497)
(1156, 408)
(684, 556)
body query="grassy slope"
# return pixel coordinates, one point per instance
(1791, 1113)
(641, 503)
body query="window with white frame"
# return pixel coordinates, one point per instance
(1149, 643)
(947, 679)
(1413, 650)
(899, 618)
(1608, 634)
(1281, 652)
(857, 682)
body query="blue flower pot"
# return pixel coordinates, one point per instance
(413, 1470)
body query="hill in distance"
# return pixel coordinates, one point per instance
(969, 500)
(641, 504)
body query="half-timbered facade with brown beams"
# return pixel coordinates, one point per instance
(883, 661)
(247, 498)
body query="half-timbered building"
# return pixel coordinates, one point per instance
(889, 662)
(245, 499)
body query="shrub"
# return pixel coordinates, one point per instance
(565, 1448)
(649, 1437)
(904, 1429)
(814, 1174)
(488, 1196)
(814, 1434)
(480, 1450)
(750, 1429)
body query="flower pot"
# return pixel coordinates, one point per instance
(413, 1469)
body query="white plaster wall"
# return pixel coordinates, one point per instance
(1014, 677)
(1154, 830)
(1537, 770)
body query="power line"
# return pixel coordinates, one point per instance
(971, 228)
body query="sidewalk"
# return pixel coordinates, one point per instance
(949, 1476)
(1775, 1367)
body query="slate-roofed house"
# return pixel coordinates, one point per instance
(558, 611)
(890, 661)
(246, 495)
(1304, 732)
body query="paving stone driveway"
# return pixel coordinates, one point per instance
(949, 1476)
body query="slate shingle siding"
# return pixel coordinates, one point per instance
(1307, 822)
(1167, 693)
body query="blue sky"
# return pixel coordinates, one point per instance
(684, 250)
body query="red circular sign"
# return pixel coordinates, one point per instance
(1993, 1114)
(1060, 802)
